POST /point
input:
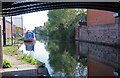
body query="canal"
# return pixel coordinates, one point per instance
(63, 58)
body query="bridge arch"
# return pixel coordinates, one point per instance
(27, 7)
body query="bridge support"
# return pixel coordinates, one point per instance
(1, 53)
(4, 31)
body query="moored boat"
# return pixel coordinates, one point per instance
(29, 37)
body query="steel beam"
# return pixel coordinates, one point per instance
(23, 8)
(102, 5)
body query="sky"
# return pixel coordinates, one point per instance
(32, 20)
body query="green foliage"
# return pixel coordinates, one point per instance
(42, 31)
(8, 40)
(6, 64)
(29, 59)
(18, 32)
(61, 23)
(62, 58)
(80, 17)
(10, 50)
(22, 38)
(42, 65)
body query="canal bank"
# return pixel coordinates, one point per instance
(12, 50)
(22, 65)
(18, 65)
(11, 54)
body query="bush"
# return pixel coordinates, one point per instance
(42, 65)
(6, 64)
(29, 59)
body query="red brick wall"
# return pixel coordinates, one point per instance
(99, 17)
(8, 29)
(107, 33)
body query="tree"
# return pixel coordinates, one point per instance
(61, 23)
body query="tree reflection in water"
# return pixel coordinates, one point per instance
(63, 59)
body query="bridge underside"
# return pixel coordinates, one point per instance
(17, 8)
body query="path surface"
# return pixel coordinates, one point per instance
(21, 68)
(13, 60)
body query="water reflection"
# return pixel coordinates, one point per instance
(102, 60)
(63, 59)
(29, 46)
(59, 57)
(75, 58)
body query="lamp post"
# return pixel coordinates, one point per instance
(11, 32)
(4, 31)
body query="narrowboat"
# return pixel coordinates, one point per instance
(29, 37)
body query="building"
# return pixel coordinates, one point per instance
(99, 17)
(102, 26)
(8, 29)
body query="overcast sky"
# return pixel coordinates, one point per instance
(30, 20)
(35, 19)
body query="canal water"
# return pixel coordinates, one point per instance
(64, 58)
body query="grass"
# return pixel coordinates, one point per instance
(10, 50)
(13, 50)
(19, 39)
(8, 40)
(29, 59)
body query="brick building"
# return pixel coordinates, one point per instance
(8, 29)
(99, 17)
(101, 27)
